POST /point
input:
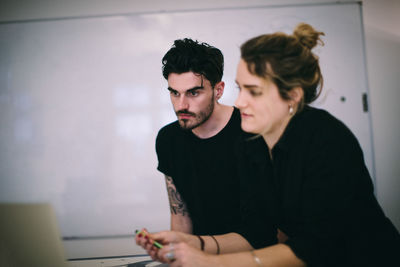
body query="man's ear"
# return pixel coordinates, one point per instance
(296, 94)
(219, 89)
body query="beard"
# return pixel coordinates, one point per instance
(197, 119)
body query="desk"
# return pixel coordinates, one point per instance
(126, 261)
(106, 253)
(102, 248)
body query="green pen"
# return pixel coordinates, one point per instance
(155, 243)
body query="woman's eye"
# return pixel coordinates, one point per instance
(255, 93)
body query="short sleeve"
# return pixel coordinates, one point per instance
(164, 152)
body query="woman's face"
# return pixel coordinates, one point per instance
(262, 109)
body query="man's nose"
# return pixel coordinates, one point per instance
(183, 103)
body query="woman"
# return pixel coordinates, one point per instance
(303, 173)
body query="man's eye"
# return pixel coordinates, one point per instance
(174, 93)
(193, 93)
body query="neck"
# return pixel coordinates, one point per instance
(272, 137)
(217, 121)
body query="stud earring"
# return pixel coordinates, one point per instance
(291, 111)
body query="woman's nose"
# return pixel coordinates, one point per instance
(240, 101)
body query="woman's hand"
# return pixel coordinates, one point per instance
(183, 255)
(146, 241)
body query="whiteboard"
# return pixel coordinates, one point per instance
(82, 100)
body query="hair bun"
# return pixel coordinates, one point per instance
(307, 35)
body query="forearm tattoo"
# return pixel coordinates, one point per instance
(176, 203)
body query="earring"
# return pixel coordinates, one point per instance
(291, 111)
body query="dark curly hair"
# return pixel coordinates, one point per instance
(188, 55)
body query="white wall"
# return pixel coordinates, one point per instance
(40, 9)
(382, 35)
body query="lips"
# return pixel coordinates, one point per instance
(245, 115)
(184, 116)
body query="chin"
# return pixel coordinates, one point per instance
(248, 129)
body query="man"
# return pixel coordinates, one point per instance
(196, 152)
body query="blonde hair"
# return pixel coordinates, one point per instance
(287, 60)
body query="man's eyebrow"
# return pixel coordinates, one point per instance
(196, 88)
(190, 89)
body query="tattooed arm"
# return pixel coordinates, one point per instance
(180, 219)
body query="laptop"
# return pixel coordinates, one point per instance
(29, 236)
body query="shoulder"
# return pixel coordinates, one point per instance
(169, 131)
(322, 123)
(230, 130)
(319, 129)
(318, 117)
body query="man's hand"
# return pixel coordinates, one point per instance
(143, 239)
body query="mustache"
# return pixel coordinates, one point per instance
(185, 111)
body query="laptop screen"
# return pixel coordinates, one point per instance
(29, 236)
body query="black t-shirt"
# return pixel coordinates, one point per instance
(316, 189)
(204, 173)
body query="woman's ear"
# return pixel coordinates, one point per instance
(296, 94)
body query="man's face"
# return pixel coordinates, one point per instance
(192, 97)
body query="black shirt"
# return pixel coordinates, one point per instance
(316, 189)
(204, 173)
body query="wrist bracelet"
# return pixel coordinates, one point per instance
(201, 242)
(216, 242)
(256, 259)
